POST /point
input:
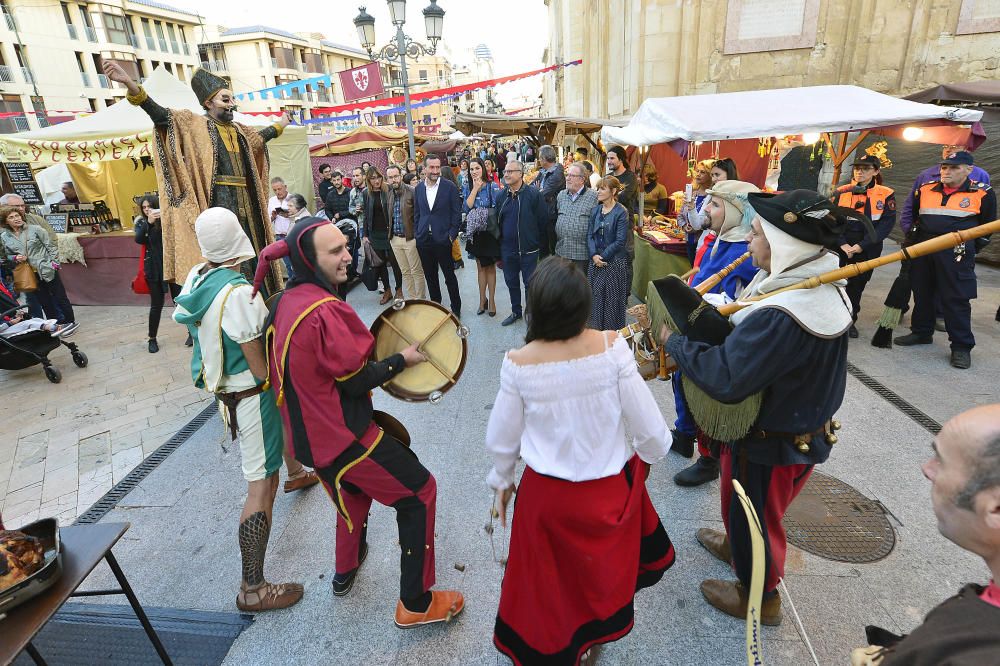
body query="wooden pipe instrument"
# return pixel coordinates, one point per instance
(930, 246)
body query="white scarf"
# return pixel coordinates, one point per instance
(824, 311)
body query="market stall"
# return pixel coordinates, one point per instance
(831, 113)
(108, 155)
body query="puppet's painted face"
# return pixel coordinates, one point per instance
(221, 106)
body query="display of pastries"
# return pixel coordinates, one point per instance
(20, 556)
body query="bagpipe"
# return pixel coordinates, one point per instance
(673, 304)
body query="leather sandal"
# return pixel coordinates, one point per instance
(269, 596)
(386, 297)
(302, 480)
(445, 604)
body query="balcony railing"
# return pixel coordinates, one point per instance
(150, 43)
(104, 81)
(71, 29)
(163, 44)
(6, 74)
(10, 20)
(26, 75)
(21, 123)
(274, 62)
(174, 46)
(86, 79)
(214, 65)
(90, 32)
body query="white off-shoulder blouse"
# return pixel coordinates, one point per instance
(567, 419)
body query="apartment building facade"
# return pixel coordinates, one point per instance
(258, 56)
(425, 74)
(51, 53)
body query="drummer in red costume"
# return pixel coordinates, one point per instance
(319, 365)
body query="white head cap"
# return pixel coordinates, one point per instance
(221, 237)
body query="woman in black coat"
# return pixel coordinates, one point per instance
(149, 232)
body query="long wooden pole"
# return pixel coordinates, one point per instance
(936, 244)
(709, 283)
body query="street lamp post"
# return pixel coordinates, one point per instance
(402, 46)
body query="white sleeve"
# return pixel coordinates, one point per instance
(650, 434)
(503, 433)
(243, 319)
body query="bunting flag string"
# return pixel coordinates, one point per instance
(453, 90)
(278, 92)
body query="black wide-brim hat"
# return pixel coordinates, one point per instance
(808, 216)
(672, 302)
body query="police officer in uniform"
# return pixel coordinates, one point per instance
(877, 202)
(954, 203)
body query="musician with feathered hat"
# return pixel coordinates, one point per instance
(203, 162)
(785, 357)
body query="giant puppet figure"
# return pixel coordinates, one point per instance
(204, 162)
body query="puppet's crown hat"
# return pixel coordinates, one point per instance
(205, 84)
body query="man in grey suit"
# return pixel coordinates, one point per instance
(437, 217)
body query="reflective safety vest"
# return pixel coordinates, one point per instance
(939, 213)
(876, 196)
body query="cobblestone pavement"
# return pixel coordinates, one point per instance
(67, 444)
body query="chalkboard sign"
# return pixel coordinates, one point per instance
(22, 182)
(58, 221)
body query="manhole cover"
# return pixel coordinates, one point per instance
(833, 520)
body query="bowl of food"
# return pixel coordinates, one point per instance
(30, 562)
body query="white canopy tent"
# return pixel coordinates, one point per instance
(778, 112)
(819, 110)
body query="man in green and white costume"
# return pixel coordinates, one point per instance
(229, 360)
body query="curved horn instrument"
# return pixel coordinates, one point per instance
(936, 244)
(710, 283)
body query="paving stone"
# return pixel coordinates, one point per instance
(24, 475)
(60, 482)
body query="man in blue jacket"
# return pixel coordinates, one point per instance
(437, 216)
(523, 234)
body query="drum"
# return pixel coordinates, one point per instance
(440, 336)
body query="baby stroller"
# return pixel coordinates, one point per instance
(33, 347)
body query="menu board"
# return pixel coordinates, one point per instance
(22, 182)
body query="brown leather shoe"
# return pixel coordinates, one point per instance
(386, 297)
(269, 596)
(300, 482)
(445, 604)
(730, 597)
(715, 542)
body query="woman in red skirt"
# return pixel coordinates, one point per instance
(585, 535)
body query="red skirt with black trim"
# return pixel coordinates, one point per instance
(579, 551)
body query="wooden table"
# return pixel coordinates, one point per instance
(83, 547)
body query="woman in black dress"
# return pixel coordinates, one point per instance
(479, 195)
(149, 232)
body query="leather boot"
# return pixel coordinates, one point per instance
(682, 444)
(703, 470)
(715, 542)
(730, 597)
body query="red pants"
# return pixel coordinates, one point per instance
(391, 475)
(771, 490)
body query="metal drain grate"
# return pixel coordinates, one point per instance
(894, 399)
(833, 520)
(101, 507)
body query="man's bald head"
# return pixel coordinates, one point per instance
(979, 431)
(965, 480)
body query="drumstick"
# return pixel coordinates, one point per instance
(411, 341)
